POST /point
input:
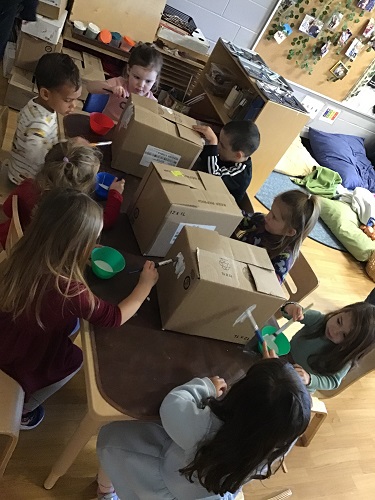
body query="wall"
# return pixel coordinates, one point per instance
(241, 21)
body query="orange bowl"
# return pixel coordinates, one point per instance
(101, 124)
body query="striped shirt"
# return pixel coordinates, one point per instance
(236, 176)
(36, 133)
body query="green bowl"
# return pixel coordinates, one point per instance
(106, 262)
(281, 341)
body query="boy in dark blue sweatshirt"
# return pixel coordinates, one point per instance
(229, 156)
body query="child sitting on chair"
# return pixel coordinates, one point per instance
(281, 232)
(59, 86)
(229, 156)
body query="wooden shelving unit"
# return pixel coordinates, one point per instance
(278, 125)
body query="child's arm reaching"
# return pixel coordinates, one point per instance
(113, 205)
(107, 87)
(316, 382)
(183, 414)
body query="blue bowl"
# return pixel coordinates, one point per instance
(103, 179)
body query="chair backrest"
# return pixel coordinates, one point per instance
(95, 102)
(15, 232)
(301, 280)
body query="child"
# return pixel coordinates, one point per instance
(59, 85)
(206, 446)
(142, 76)
(67, 164)
(281, 232)
(229, 157)
(43, 291)
(328, 346)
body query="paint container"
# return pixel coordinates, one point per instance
(116, 39)
(92, 31)
(233, 94)
(79, 27)
(127, 43)
(105, 36)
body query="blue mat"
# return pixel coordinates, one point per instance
(278, 183)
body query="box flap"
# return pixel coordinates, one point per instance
(208, 200)
(266, 281)
(250, 254)
(144, 102)
(215, 183)
(183, 123)
(223, 270)
(92, 67)
(189, 134)
(176, 175)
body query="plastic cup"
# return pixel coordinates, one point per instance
(106, 262)
(281, 341)
(103, 179)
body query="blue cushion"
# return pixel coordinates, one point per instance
(346, 155)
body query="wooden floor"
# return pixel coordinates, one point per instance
(338, 465)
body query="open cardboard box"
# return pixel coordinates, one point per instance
(148, 132)
(217, 281)
(168, 198)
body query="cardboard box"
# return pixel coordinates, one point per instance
(51, 8)
(149, 132)
(46, 29)
(8, 59)
(30, 49)
(219, 279)
(21, 89)
(168, 198)
(92, 70)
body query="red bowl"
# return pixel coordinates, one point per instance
(101, 124)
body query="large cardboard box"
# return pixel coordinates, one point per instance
(30, 49)
(150, 132)
(51, 8)
(8, 59)
(46, 29)
(21, 88)
(92, 70)
(169, 198)
(218, 280)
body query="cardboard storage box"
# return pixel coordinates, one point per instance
(92, 70)
(168, 198)
(46, 29)
(150, 132)
(218, 280)
(51, 8)
(30, 49)
(21, 89)
(8, 59)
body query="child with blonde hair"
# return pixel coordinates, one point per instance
(141, 77)
(43, 291)
(281, 232)
(68, 164)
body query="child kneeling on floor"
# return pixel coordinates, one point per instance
(281, 232)
(210, 442)
(329, 345)
(43, 292)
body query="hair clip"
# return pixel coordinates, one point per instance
(66, 159)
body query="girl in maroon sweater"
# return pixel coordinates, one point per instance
(71, 164)
(43, 292)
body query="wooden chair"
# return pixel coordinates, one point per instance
(11, 397)
(318, 415)
(15, 232)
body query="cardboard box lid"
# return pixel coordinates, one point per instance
(92, 68)
(183, 123)
(205, 191)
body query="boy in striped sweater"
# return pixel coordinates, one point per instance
(229, 156)
(59, 85)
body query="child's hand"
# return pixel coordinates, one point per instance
(149, 275)
(118, 91)
(207, 133)
(220, 385)
(268, 353)
(118, 185)
(294, 311)
(306, 377)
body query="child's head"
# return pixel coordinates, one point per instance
(70, 165)
(292, 217)
(351, 331)
(59, 83)
(262, 415)
(143, 68)
(57, 244)
(238, 140)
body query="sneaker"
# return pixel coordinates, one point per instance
(32, 419)
(108, 496)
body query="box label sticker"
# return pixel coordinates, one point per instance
(159, 155)
(177, 173)
(182, 224)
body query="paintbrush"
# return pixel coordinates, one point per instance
(157, 264)
(104, 143)
(249, 315)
